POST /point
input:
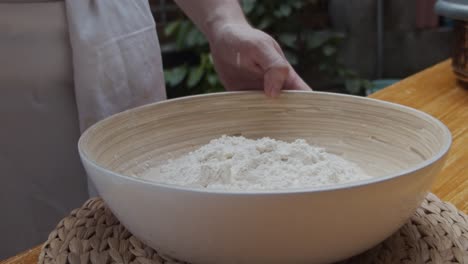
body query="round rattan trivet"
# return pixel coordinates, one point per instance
(436, 233)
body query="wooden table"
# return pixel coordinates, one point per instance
(434, 91)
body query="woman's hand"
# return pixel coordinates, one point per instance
(246, 59)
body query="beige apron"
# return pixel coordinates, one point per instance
(46, 96)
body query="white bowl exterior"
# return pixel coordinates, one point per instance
(206, 227)
(303, 226)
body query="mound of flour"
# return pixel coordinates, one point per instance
(238, 163)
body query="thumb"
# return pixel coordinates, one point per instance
(275, 67)
(274, 79)
(293, 82)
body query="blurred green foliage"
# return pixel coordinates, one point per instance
(304, 48)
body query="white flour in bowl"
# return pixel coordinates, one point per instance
(238, 163)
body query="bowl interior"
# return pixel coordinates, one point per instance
(382, 138)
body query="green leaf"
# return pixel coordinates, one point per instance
(288, 40)
(259, 10)
(205, 60)
(329, 50)
(192, 36)
(171, 28)
(291, 57)
(210, 58)
(175, 76)
(214, 89)
(195, 76)
(265, 22)
(323, 67)
(353, 86)
(285, 10)
(184, 28)
(277, 13)
(317, 39)
(200, 39)
(248, 6)
(212, 79)
(367, 84)
(167, 76)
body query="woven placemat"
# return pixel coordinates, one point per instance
(436, 233)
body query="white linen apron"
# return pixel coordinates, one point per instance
(46, 97)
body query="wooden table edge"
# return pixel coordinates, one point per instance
(27, 257)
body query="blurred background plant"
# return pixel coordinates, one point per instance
(313, 51)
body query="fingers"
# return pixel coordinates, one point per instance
(274, 66)
(278, 73)
(294, 82)
(274, 79)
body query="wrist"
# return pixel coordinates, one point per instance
(216, 22)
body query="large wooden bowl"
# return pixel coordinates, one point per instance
(401, 147)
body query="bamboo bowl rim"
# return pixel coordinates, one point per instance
(447, 138)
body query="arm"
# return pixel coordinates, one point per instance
(245, 58)
(210, 15)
